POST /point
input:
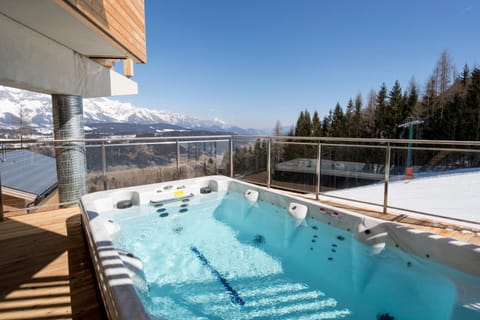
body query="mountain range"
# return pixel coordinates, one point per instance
(35, 110)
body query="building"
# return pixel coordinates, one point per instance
(27, 178)
(67, 48)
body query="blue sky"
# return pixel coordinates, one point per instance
(253, 62)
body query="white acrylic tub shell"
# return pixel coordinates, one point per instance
(114, 273)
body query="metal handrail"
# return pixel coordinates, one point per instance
(388, 144)
(239, 137)
(437, 149)
(368, 140)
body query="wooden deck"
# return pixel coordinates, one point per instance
(45, 268)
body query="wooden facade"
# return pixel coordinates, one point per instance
(121, 22)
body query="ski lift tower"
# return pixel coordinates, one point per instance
(410, 122)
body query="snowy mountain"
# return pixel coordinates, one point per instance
(35, 109)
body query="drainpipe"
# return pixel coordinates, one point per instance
(71, 156)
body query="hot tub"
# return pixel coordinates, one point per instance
(215, 247)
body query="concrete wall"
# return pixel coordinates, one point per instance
(34, 62)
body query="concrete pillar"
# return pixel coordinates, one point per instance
(71, 156)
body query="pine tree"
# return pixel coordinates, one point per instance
(349, 130)
(277, 130)
(381, 113)
(328, 125)
(290, 150)
(412, 99)
(465, 76)
(338, 121)
(473, 105)
(299, 125)
(450, 110)
(304, 125)
(427, 109)
(277, 146)
(316, 125)
(357, 116)
(429, 101)
(452, 115)
(260, 154)
(395, 111)
(368, 128)
(308, 125)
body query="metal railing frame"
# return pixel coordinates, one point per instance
(387, 144)
(318, 170)
(388, 153)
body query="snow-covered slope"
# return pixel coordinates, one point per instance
(35, 109)
(454, 193)
(31, 107)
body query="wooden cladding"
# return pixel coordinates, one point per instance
(128, 68)
(119, 21)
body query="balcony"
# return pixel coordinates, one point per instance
(49, 270)
(327, 169)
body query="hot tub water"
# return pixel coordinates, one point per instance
(217, 256)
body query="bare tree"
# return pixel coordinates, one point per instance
(447, 68)
(443, 77)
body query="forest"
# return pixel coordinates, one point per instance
(448, 106)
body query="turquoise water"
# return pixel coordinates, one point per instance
(218, 257)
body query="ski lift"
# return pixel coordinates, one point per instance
(410, 122)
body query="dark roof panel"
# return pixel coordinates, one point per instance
(28, 171)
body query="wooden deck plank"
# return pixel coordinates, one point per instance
(46, 269)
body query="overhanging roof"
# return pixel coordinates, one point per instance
(26, 173)
(68, 46)
(87, 27)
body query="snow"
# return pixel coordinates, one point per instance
(454, 194)
(9, 107)
(169, 130)
(95, 110)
